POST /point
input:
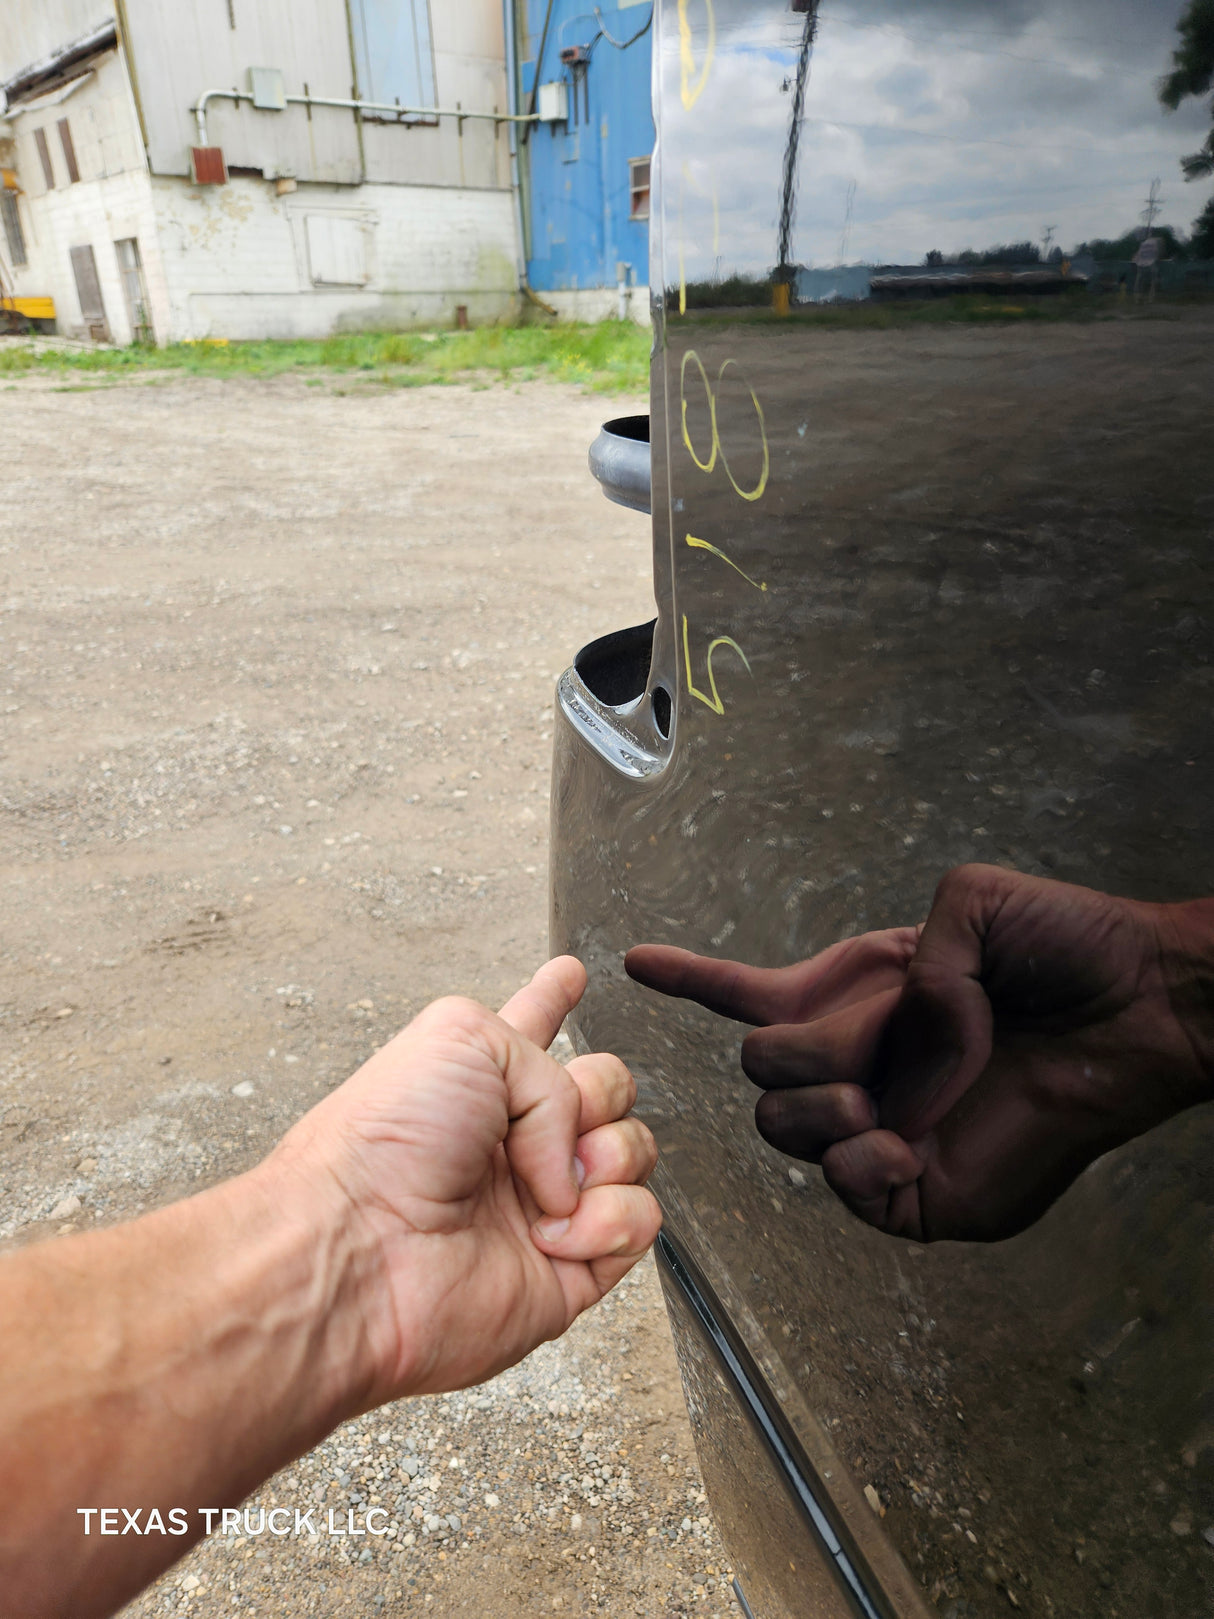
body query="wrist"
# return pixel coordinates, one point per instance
(1186, 952)
(333, 1269)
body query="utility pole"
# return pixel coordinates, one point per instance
(1146, 260)
(1047, 236)
(784, 271)
(1154, 205)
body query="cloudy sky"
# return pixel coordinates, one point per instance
(928, 124)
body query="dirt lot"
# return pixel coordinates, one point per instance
(278, 663)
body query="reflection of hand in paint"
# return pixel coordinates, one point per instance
(953, 1079)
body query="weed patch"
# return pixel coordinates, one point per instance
(612, 357)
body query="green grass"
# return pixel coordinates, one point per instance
(612, 357)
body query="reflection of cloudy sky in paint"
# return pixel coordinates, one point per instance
(959, 124)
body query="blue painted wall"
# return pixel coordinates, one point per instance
(575, 175)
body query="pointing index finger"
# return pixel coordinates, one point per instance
(730, 988)
(840, 976)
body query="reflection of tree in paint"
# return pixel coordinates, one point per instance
(785, 271)
(1193, 75)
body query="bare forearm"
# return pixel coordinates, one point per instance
(172, 1363)
(389, 1245)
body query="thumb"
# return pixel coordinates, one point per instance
(540, 1007)
(938, 1038)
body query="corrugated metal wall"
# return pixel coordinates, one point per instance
(34, 29)
(413, 50)
(578, 193)
(469, 70)
(178, 48)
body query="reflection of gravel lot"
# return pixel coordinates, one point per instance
(273, 774)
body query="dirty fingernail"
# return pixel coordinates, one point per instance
(552, 1230)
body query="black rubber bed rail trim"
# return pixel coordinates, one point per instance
(814, 1510)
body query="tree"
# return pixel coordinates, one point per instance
(1202, 244)
(1013, 253)
(1125, 247)
(1193, 75)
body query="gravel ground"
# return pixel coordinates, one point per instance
(278, 661)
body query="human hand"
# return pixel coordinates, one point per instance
(486, 1195)
(953, 1079)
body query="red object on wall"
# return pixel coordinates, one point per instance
(207, 166)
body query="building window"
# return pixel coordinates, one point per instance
(12, 228)
(69, 151)
(638, 187)
(134, 290)
(44, 157)
(393, 53)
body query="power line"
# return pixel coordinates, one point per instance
(622, 44)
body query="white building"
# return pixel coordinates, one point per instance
(330, 218)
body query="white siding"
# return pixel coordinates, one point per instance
(469, 57)
(34, 29)
(182, 47)
(179, 48)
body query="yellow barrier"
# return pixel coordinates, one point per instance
(32, 308)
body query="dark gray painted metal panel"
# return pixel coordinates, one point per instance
(934, 585)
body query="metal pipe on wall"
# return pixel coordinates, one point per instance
(200, 109)
(539, 61)
(510, 22)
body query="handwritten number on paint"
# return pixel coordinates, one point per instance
(757, 492)
(717, 449)
(704, 466)
(692, 76)
(706, 462)
(712, 701)
(703, 545)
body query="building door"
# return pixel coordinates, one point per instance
(10, 216)
(134, 290)
(88, 290)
